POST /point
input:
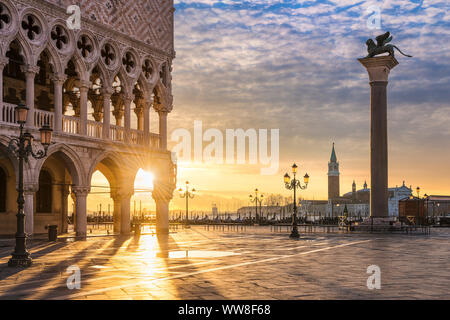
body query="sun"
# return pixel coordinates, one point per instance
(144, 180)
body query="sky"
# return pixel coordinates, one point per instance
(292, 65)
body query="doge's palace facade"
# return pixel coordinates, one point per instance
(88, 84)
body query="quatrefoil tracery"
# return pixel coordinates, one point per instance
(108, 54)
(59, 37)
(31, 27)
(5, 19)
(85, 46)
(128, 62)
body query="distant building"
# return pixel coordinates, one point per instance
(333, 176)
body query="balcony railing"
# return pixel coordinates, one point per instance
(7, 113)
(71, 125)
(43, 117)
(94, 129)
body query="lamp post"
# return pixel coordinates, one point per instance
(257, 199)
(293, 185)
(425, 196)
(188, 195)
(22, 148)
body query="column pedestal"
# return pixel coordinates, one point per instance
(378, 69)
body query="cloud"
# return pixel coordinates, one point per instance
(292, 65)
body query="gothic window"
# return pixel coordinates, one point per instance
(31, 27)
(5, 17)
(44, 194)
(2, 190)
(12, 70)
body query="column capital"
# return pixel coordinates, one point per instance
(128, 98)
(3, 62)
(122, 194)
(107, 92)
(30, 69)
(30, 188)
(81, 191)
(58, 78)
(163, 191)
(84, 85)
(379, 67)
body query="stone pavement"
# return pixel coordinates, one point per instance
(253, 263)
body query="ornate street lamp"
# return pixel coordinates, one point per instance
(293, 185)
(22, 148)
(418, 192)
(188, 195)
(257, 199)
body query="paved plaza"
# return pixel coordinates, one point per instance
(252, 263)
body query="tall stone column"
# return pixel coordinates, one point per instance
(116, 213)
(163, 130)
(30, 73)
(65, 209)
(107, 92)
(58, 82)
(84, 88)
(81, 194)
(29, 192)
(125, 227)
(378, 69)
(127, 99)
(3, 62)
(139, 111)
(146, 116)
(163, 187)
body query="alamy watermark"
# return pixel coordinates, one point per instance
(74, 280)
(235, 151)
(374, 280)
(74, 21)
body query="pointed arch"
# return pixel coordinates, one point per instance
(71, 160)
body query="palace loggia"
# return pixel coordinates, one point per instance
(98, 87)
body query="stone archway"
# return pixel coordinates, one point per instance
(121, 180)
(63, 168)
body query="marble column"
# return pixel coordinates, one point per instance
(146, 116)
(125, 227)
(84, 88)
(162, 194)
(3, 62)
(163, 130)
(127, 99)
(116, 214)
(58, 82)
(107, 92)
(162, 215)
(379, 69)
(30, 73)
(81, 194)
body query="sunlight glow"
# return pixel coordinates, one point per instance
(144, 180)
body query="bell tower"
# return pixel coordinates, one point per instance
(333, 176)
